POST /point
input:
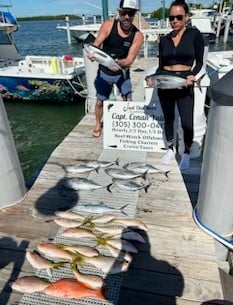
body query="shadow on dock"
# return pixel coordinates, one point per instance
(163, 285)
(17, 259)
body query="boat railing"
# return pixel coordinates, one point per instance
(51, 64)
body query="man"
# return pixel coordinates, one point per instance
(122, 40)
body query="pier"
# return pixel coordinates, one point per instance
(176, 265)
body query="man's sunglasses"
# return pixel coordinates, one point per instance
(178, 17)
(129, 13)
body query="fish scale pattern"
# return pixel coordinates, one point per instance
(116, 199)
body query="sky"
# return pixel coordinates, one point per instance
(22, 8)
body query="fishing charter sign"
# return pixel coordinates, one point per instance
(133, 126)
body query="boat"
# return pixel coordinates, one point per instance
(204, 24)
(218, 64)
(39, 78)
(7, 21)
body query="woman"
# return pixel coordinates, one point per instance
(180, 52)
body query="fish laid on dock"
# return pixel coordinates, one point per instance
(123, 173)
(68, 288)
(38, 262)
(29, 284)
(100, 208)
(141, 168)
(90, 280)
(108, 264)
(79, 184)
(128, 185)
(102, 164)
(80, 168)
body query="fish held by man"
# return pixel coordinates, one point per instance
(101, 57)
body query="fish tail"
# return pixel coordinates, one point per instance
(144, 175)
(122, 208)
(100, 293)
(166, 174)
(146, 187)
(117, 162)
(108, 187)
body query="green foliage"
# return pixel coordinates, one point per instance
(57, 17)
(159, 13)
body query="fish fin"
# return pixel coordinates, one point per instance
(58, 265)
(108, 187)
(97, 169)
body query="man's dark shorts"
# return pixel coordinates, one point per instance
(104, 84)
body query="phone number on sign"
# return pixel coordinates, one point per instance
(130, 124)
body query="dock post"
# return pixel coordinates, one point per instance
(68, 29)
(12, 185)
(214, 209)
(91, 72)
(227, 28)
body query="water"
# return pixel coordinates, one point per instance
(38, 129)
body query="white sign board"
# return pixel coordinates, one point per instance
(133, 126)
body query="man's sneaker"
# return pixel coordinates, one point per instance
(168, 157)
(185, 161)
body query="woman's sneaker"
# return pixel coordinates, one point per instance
(185, 161)
(168, 157)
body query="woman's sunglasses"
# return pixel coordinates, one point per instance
(129, 13)
(178, 17)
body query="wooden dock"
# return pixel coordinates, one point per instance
(176, 265)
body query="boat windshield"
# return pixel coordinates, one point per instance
(4, 38)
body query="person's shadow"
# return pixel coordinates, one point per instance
(148, 280)
(8, 257)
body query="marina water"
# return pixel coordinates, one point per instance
(39, 128)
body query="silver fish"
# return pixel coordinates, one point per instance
(102, 164)
(164, 81)
(141, 168)
(169, 81)
(101, 57)
(128, 185)
(79, 184)
(80, 168)
(100, 208)
(123, 173)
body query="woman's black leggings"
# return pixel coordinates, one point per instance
(184, 98)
